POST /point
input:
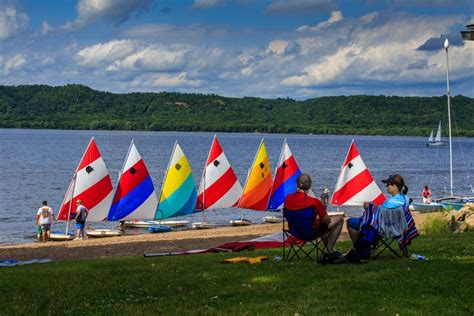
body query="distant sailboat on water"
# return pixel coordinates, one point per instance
(437, 140)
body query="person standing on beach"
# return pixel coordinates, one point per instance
(44, 219)
(426, 195)
(81, 215)
(325, 197)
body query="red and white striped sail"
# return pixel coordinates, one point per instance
(91, 184)
(219, 186)
(355, 184)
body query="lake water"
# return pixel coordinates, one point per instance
(38, 165)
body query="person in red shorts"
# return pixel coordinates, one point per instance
(328, 227)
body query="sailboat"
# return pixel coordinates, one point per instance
(219, 187)
(135, 198)
(178, 196)
(91, 183)
(451, 201)
(284, 182)
(355, 185)
(258, 186)
(437, 140)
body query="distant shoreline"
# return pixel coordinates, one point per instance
(82, 108)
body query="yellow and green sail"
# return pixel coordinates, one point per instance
(178, 196)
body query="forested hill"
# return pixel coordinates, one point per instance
(79, 107)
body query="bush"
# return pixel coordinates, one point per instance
(435, 224)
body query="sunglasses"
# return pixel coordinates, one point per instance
(389, 184)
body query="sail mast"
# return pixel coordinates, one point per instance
(446, 46)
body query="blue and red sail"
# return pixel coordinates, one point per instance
(285, 178)
(135, 197)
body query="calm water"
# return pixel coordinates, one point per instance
(38, 164)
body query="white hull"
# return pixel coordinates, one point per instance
(435, 144)
(426, 208)
(203, 225)
(240, 222)
(146, 224)
(273, 219)
(101, 233)
(61, 237)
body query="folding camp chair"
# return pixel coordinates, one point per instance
(300, 233)
(381, 243)
(384, 243)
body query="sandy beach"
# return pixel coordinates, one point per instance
(137, 245)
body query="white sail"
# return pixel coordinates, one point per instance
(438, 133)
(430, 139)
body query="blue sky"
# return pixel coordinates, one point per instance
(265, 48)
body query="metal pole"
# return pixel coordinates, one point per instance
(446, 46)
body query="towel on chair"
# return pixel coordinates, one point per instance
(390, 223)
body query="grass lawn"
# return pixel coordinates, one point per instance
(200, 284)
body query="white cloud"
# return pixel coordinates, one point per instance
(277, 47)
(14, 63)
(336, 16)
(12, 22)
(151, 58)
(46, 28)
(163, 81)
(385, 52)
(128, 55)
(104, 54)
(369, 17)
(116, 11)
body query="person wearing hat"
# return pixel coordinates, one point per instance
(81, 215)
(325, 197)
(328, 227)
(397, 188)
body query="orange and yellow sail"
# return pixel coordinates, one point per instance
(259, 183)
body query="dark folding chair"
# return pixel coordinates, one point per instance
(384, 243)
(299, 234)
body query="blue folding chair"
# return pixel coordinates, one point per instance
(300, 233)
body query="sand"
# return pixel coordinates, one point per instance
(137, 245)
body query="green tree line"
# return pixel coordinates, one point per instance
(79, 107)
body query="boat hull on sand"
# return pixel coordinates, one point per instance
(146, 224)
(426, 208)
(56, 236)
(159, 229)
(273, 219)
(102, 233)
(203, 225)
(240, 222)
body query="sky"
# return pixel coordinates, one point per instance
(299, 49)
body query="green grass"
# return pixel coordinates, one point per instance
(200, 284)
